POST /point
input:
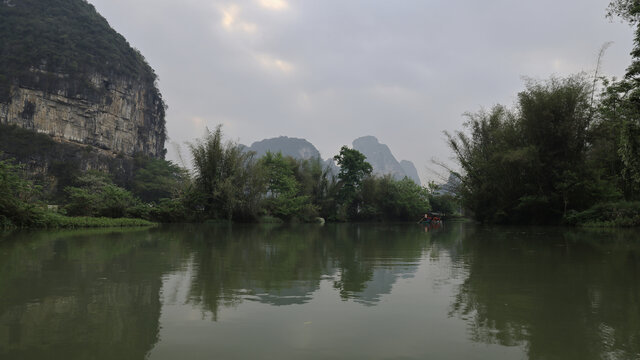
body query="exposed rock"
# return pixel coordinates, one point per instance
(294, 147)
(410, 170)
(381, 158)
(66, 73)
(452, 186)
(124, 121)
(54, 162)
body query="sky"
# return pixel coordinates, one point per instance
(331, 71)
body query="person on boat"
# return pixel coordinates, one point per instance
(426, 219)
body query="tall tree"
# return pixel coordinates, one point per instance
(526, 164)
(225, 176)
(353, 168)
(621, 116)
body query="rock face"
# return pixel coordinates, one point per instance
(66, 73)
(294, 147)
(126, 120)
(383, 161)
(410, 170)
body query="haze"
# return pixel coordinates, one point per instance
(331, 71)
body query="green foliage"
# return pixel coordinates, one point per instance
(625, 9)
(383, 198)
(283, 198)
(18, 205)
(226, 178)
(611, 214)
(96, 195)
(59, 44)
(528, 165)
(353, 168)
(442, 202)
(157, 179)
(57, 221)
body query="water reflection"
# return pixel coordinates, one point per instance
(79, 295)
(525, 292)
(563, 294)
(284, 265)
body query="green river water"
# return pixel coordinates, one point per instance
(344, 291)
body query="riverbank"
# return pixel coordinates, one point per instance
(607, 215)
(51, 220)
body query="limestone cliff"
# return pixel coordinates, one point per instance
(66, 73)
(288, 146)
(126, 120)
(382, 160)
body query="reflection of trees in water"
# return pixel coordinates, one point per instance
(285, 265)
(264, 263)
(369, 258)
(96, 294)
(80, 295)
(562, 294)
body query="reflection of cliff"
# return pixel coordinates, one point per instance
(91, 296)
(370, 258)
(564, 295)
(282, 266)
(382, 280)
(259, 263)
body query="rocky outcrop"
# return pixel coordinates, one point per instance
(382, 160)
(294, 147)
(410, 170)
(66, 73)
(127, 119)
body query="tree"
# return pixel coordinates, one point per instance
(282, 199)
(18, 206)
(528, 165)
(353, 168)
(96, 195)
(621, 108)
(226, 177)
(157, 179)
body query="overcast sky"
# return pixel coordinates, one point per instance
(330, 71)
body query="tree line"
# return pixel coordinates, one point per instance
(227, 183)
(567, 152)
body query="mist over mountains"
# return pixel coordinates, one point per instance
(378, 155)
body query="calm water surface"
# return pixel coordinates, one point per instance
(321, 292)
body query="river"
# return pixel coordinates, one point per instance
(339, 291)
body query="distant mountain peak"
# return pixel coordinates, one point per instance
(289, 146)
(382, 160)
(368, 139)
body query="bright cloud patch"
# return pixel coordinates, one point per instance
(273, 4)
(271, 62)
(231, 22)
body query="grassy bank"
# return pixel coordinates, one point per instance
(61, 221)
(50, 220)
(607, 215)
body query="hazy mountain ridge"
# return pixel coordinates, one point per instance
(410, 170)
(295, 147)
(378, 155)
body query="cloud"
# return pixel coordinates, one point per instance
(274, 4)
(231, 22)
(334, 70)
(271, 62)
